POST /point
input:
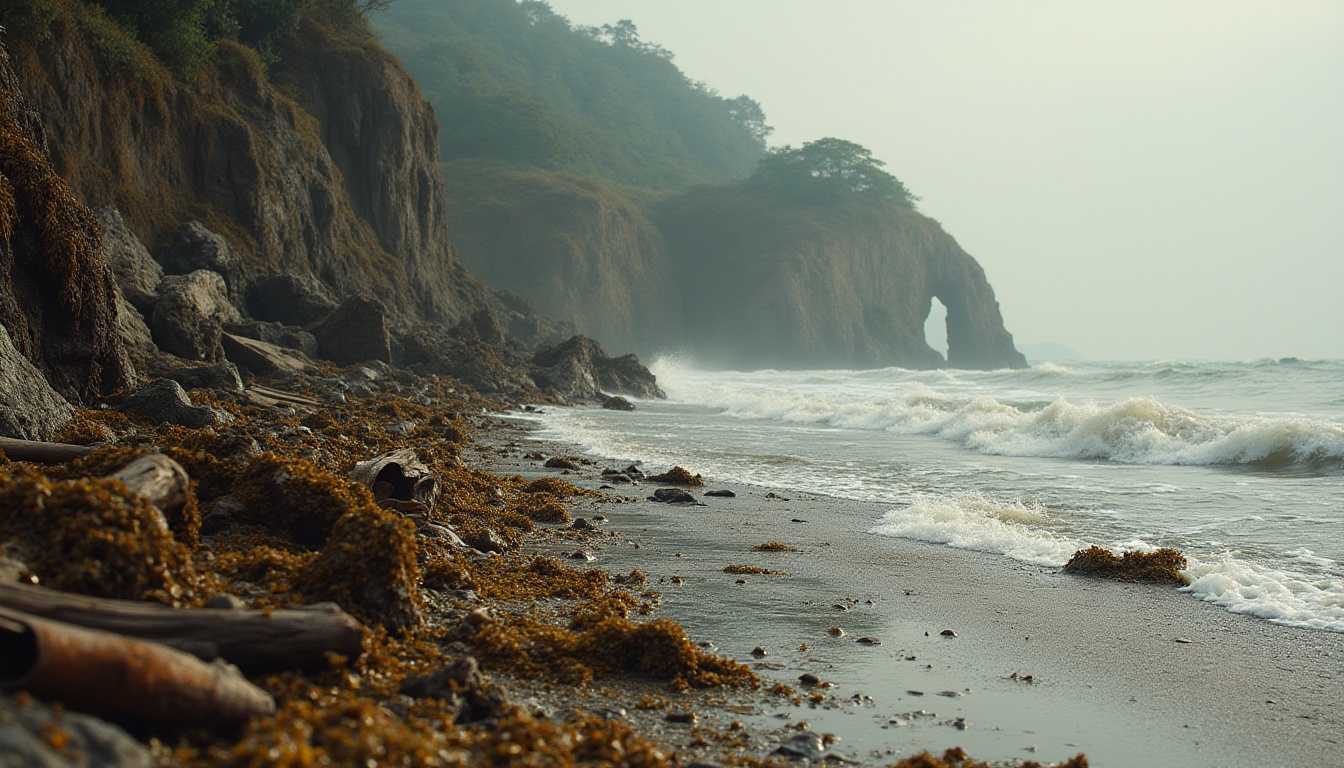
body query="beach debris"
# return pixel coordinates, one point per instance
(1161, 566)
(723, 493)
(805, 744)
(677, 476)
(835, 632)
(676, 579)
(158, 478)
(913, 692)
(759, 651)
(739, 581)
(635, 578)
(797, 520)
(774, 546)
(689, 718)
(562, 462)
(1021, 678)
(866, 640)
(40, 452)
(398, 476)
(950, 694)
(948, 633)
(255, 640)
(619, 479)
(776, 496)
(840, 607)
(1184, 640)
(462, 686)
(122, 679)
(751, 570)
(580, 524)
(580, 554)
(486, 540)
(807, 678)
(960, 723)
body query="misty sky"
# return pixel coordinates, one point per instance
(1139, 179)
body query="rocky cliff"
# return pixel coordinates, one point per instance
(328, 167)
(738, 277)
(572, 247)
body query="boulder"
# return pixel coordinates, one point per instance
(197, 248)
(278, 334)
(476, 352)
(222, 376)
(292, 299)
(35, 734)
(29, 408)
(262, 358)
(580, 369)
(133, 333)
(165, 401)
(190, 313)
(137, 274)
(354, 332)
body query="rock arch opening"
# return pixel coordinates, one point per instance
(935, 327)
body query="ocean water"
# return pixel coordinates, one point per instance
(1238, 465)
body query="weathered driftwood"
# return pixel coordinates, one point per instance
(42, 453)
(398, 475)
(158, 478)
(261, 357)
(255, 640)
(120, 678)
(267, 396)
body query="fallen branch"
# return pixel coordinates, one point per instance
(120, 678)
(255, 640)
(158, 478)
(42, 453)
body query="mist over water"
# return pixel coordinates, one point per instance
(1238, 465)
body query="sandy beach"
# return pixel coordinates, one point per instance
(1039, 665)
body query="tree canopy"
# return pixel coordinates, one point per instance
(830, 168)
(512, 80)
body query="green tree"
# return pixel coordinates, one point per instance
(830, 168)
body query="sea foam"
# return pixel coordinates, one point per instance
(974, 521)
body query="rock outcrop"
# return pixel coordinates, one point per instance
(58, 300)
(327, 167)
(579, 369)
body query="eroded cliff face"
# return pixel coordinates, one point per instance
(332, 172)
(574, 249)
(58, 301)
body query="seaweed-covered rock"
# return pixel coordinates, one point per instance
(355, 332)
(166, 402)
(464, 354)
(197, 248)
(29, 408)
(136, 272)
(57, 296)
(291, 298)
(368, 567)
(190, 315)
(223, 376)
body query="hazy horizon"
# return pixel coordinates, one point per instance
(1139, 180)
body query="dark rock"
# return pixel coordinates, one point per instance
(672, 496)
(726, 494)
(290, 299)
(133, 333)
(580, 554)
(579, 369)
(29, 408)
(226, 602)
(808, 745)
(196, 248)
(460, 684)
(355, 332)
(278, 334)
(759, 651)
(809, 679)
(619, 480)
(262, 358)
(190, 314)
(475, 352)
(633, 471)
(136, 272)
(581, 524)
(618, 403)
(165, 401)
(223, 376)
(948, 633)
(562, 462)
(868, 641)
(29, 734)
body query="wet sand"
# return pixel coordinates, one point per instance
(1129, 674)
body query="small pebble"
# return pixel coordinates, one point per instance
(948, 633)
(807, 678)
(759, 651)
(1184, 640)
(869, 641)
(682, 717)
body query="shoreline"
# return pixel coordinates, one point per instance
(1122, 672)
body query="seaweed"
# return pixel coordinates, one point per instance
(774, 546)
(677, 476)
(745, 570)
(1161, 566)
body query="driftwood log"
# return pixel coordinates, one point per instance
(158, 478)
(119, 678)
(42, 453)
(254, 640)
(398, 476)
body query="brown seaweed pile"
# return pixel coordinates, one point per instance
(677, 476)
(1161, 566)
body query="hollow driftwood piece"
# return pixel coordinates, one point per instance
(42, 453)
(158, 478)
(254, 640)
(120, 678)
(399, 476)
